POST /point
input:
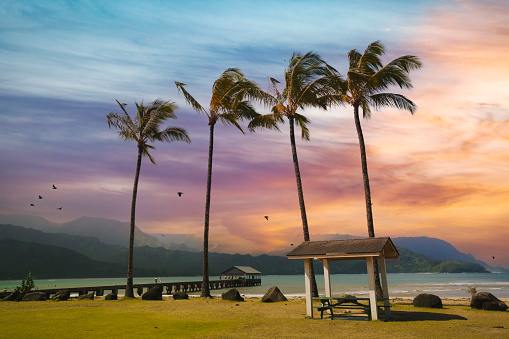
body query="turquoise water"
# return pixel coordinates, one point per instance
(400, 285)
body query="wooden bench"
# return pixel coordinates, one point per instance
(331, 303)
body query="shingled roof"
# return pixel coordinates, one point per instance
(345, 249)
(241, 270)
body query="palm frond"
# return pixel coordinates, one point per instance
(189, 98)
(392, 100)
(146, 153)
(156, 113)
(302, 122)
(366, 110)
(172, 133)
(370, 61)
(269, 121)
(146, 126)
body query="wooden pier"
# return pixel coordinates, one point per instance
(168, 288)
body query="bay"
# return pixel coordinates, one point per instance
(400, 284)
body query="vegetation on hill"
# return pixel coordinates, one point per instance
(47, 261)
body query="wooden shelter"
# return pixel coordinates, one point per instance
(347, 249)
(239, 272)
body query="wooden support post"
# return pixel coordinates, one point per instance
(371, 284)
(326, 277)
(307, 281)
(385, 287)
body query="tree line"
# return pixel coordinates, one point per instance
(308, 81)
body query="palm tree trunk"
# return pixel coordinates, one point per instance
(303, 215)
(367, 191)
(129, 293)
(367, 194)
(205, 287)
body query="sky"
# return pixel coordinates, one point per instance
(441, 172)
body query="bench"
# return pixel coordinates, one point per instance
(331, 303)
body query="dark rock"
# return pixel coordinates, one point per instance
(427, 300)
(180, 295)
(61, 295)
(111, 296)
(35, 296)
(232, 295)
(487, 301)
(89, 296)
(12, 296)
(155, 293)
(273, 295)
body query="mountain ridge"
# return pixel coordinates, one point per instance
(114, 232)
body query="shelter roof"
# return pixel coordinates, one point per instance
(241, 269)
(345, 249)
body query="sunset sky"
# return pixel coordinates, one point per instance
(441, 172)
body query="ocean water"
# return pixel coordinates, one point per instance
(400, 284)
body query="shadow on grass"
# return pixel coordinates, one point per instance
(421, 316)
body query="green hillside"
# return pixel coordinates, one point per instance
(56, 255)
(46, 261)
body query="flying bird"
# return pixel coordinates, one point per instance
(267, 217)
(40, 196)
(54, 187)
(180, 194)
(32, 205)
(493, 257)
(59, 208)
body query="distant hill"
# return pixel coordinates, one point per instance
(108, 231)
(113, 232)
(88, 246)
(46, 261)
(434, 248)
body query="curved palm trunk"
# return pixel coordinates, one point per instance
(205, 287)
(303, 215)
(129, 286)
(367, 194)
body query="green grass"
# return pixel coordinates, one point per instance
(202, 318)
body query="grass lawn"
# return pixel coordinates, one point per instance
(206, 318)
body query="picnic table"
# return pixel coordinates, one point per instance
(350, 302)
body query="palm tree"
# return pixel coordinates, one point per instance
(144, 128)
(365, 86)
(228, 106)
(309, 82)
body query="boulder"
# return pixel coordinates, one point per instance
(273, 295)
(427, 300)
(487, 301)
(35, 296)
(89, 296)
(232, 295)
(155, 293)
(11, 297)
(111, 296)
(180, 295)
(61, 295)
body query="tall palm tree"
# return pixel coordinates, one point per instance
(309, 82)
(367, 80)
(144, 128)
(227, 105)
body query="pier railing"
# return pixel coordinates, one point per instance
(168, 288)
